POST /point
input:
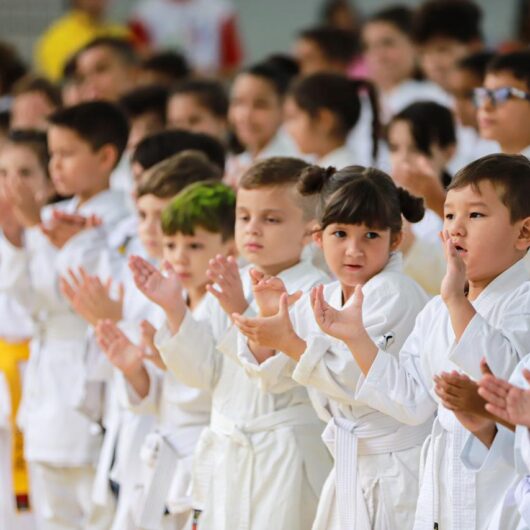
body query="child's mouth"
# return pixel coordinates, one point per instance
(460, 250)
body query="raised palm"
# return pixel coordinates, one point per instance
(267, 291)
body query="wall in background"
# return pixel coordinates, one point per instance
(267, 25)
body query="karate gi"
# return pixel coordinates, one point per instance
(374, 483)
(261, 463)
(182, 413)
(61, 444)
(451, 495)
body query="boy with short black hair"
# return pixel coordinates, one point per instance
(62, 445)
(325, 49)
(107, 68)
(504, 102)
(446, 31)
(261, 463)
(482, 311)
(146, 109)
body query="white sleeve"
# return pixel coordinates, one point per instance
(387, 319)
(128, 397)
(503, 346)
(191, 354)
(397, 387)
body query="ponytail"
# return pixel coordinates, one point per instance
(412, 207)
(314, 178)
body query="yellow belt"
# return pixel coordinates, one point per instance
(12, 355)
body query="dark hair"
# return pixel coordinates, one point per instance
(455, 19)
(159, 146)
(335, 44)
(284, 63)
(430, 123)
(509, 174)
(34, 140)
(279, 171)
(476, 63)
(98, 123)
(399, 16)
(360, 195)
(210, 205)
(12, 68)
(277, 75)
(170, 64)
(516, 63)
(339, 95)
(31, 83)
(146, 99)
(69, 72)
(209, 94)
(123, 48)
(167, 178)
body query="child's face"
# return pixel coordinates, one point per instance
(189, 255)
(30, 111)
(439, 55)
(255, 111)
(20, 162)
(150, 210)
(300, 127)
(103, 74)
(479, 226)
(185, 112)
(270, 229)
(506, 122)
(461, 85)
(75, 168)
(390, 54)
(403, 148)
(310, 58)
(143, 126)
(355, 253)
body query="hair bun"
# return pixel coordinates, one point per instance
(412, 207)
(313, 179)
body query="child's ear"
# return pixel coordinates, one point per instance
(523, 241)
(108, 156)
(317, 238)
(395, 240)
(327, 120)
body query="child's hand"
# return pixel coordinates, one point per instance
(90, 298)
(267, 291)
(459, 393)
(344, 325)
(506, 401)
(224, 273)
(165, 291)
(120, 351)
(148, 347)
(63, 227)
(453, 286)
(274, 332)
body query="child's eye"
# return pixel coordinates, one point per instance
(243, 217)
(476, 215)
(170, 246)
(449, 216)
(196, 246)
(339, 234)
(272, 220)
(371, 235)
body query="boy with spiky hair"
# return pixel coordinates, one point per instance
(198, 225)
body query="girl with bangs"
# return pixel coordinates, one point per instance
(374, 483)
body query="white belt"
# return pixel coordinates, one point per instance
(238, 459)
(347, 440)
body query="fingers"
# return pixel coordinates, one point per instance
(484, 367)
(526, 374)
(494, 390)
(293, 298)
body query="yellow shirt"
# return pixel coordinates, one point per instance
(65, 37)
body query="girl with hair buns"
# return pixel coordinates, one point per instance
(374, 483)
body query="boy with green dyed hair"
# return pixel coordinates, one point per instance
(198, 225)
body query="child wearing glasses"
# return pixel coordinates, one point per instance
(504, 102)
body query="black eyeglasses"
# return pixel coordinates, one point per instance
(499, 95)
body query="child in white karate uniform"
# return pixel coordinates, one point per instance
(61, 444)
(126, 430)
(321, 110)
(375, 480)
(483, 311)
(261, 463)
